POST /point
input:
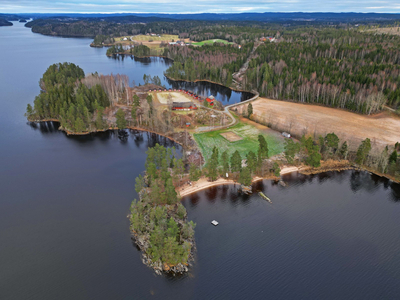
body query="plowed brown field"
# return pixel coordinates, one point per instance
(299, 119)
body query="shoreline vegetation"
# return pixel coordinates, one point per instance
(158, 220)
(159, 224)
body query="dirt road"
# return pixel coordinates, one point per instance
(299, 119)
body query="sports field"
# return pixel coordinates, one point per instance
(248, 140)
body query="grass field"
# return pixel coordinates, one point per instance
(211, 42)
(249, 141)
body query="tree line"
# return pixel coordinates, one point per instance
(338, 68)
(311, 152)
(216, 62)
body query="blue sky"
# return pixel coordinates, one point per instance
(196, 6)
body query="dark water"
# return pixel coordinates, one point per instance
(64, 201)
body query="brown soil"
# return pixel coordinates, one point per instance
(231, 136)
(299, 119)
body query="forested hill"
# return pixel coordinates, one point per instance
(67, 96)
(338, 68)
(4, 22)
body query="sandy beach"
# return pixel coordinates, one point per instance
(203, 183)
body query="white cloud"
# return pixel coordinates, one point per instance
(197, 6)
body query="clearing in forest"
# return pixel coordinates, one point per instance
(231, 136)
(211, 42)
(249, 141)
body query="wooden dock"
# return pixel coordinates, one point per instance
(265, 197)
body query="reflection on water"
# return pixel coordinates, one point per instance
(202, 88)
(64, 202)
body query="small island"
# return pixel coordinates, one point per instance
(159, 222)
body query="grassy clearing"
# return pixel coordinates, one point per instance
(249, 133)
(211, 42)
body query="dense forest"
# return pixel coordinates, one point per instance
(4, 22)
(158, 220)
(337, 68)
(341, 66)
(215, 62)
(76, 101)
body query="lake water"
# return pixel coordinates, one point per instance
(64, 201)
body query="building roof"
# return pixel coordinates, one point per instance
(183, 104)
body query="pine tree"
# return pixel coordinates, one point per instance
(171, 195)
(363, 151)
(314, 157)
(225, 162)
(393, 157)
(343, 150)
(236, 162)
(262, 148)
(121, 122)
(194, 172)
(249, 110)
(291, 148)
(245, 177)
(251, 161)
(139, 183)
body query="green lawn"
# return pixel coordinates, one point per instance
(211, 42)
(249, 133)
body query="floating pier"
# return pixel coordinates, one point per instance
(215, 223)
(265, 197)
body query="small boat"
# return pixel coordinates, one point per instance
(215, 223)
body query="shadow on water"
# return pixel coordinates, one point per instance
(139, 138)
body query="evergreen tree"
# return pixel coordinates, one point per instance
(363, 151)
(225, 162)
(343, 150)
(245, 177)
(249, 110)
(194, 172)
(291, 148)
(79, 125)
(236, 162)
(136, 101)
(121, 121)
(171, 195)
(139, 185)
(393, 157)
(251, 161)
(262, 148)
(314, 157)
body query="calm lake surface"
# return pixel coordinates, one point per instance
(64, 201)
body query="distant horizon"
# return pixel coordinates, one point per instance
(197, 7)
(200, 13)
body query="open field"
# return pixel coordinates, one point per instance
(388, 30)
(299, 119)
(231, 136)
(211, 42)
(144, 39)
(249, 141)
(162, 97)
